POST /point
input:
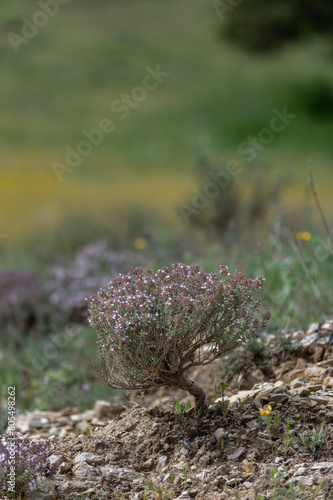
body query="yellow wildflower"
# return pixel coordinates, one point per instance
(303, 235)
(140, 243)
(265, 411)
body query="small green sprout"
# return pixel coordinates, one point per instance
(287, 440)
(240, 404)
(312, 438)
(180, 408)
(269, 419)
(185, 474)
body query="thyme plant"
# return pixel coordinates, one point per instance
(152, 327)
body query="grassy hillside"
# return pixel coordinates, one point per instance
(66, 77)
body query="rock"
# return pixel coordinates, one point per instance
(313, 327)
(309, 339)
(231, 482)
(179, 465)
(328, 381)
(110, 471)
(315, 387)
(130, 475)
(185, 494)
(85, 471)
(321, 338)
(327, 326)
(262, 386)
(65, 467)
(322, 466)
(102, 409)
(183, 450)
(204, 460)
(299, 335)
(162, 460)
(86, 416)
(45, 490)
(300, 391)
(237, 454)
(223, 400)
(279, 383)
(253, 424)
(281, 389)
(140, 495)
(320, 399)
(327, 363)
(302, 470)
(64, 432)
(242, 395)
(202, 475)
(304, 480)
(53, 459)
(279, 398)
(37, 423)
(264, 438)
(220, 434)
(89, 458)
(313, 371)
(66, 412)
(263, 396)
(292, 375)
(295, 384)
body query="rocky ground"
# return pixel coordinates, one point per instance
(272, 439)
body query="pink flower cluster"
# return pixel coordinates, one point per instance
(150, 324)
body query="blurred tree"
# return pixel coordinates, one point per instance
(263, 25)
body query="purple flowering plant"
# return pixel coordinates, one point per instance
(28, 460)
(152, 327)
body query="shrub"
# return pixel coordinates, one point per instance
(31, 461)
(153, 326)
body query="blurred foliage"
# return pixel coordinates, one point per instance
(262, 25)
(53, 371)
(314, 97)
(65, 79)
(126, 192)
(298, 291)
(33, 305)
(24, 307)
(223, 201)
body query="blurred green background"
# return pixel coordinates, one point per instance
(227, 72)
(65, 78)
